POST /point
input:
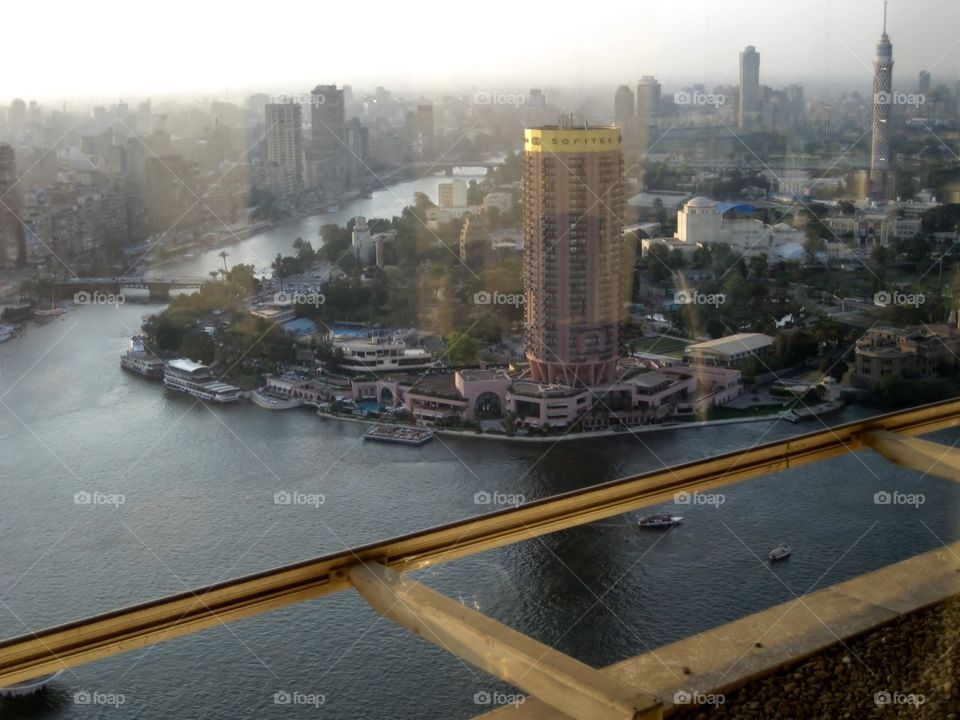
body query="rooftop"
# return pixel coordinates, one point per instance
(186, 365)
(732, 344)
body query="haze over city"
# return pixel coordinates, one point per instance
(130, 50)
(580, 350)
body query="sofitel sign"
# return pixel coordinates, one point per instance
(587, 140)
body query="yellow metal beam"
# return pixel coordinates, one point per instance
(927, 457)
(83, 641)
(570, 687)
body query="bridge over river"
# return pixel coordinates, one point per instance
(158, 287)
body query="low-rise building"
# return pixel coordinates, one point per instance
(730, 351)
(909, 353)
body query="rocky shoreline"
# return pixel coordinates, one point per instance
(909, 668)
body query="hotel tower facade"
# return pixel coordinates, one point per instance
(573, 201)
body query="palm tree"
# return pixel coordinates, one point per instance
(223, 254)
(214, 274)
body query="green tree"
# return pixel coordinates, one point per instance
(461, 350)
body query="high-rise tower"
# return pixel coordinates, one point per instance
(749, 88)
(573, 201)
(882, 101)
(284, 150)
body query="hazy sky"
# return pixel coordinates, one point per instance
(133, 49)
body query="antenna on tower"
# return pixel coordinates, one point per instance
(884, 17)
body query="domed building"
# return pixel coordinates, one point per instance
(699, 221)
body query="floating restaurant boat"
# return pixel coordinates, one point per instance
(139, 360)
(399, 434)
(195, 379)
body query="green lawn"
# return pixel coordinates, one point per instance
(660, 346)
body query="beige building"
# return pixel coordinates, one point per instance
(571, 257)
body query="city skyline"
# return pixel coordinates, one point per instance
(643, 41)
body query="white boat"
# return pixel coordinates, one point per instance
(658, 521)
(780, 552)
(139, 360)
(195, 379)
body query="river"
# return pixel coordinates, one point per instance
(197, 485)
(261, 249)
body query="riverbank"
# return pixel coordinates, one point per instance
(572, 436)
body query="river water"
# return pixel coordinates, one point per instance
(198, 486)
(260, 250)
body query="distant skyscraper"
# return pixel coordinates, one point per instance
(12, 235)
(573, 200)
(358, 142)
(536, 99)
(284, 150)
(923, 83)
(17, 117)
(328, 118)
(624, 110)
(882, 100)
(749, 88)
(425, 129)
(648, 98)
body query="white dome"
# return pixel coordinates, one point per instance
(701, 202)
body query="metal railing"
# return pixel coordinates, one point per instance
(97, 637)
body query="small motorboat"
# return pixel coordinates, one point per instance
(659, 521)
(780, 552)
